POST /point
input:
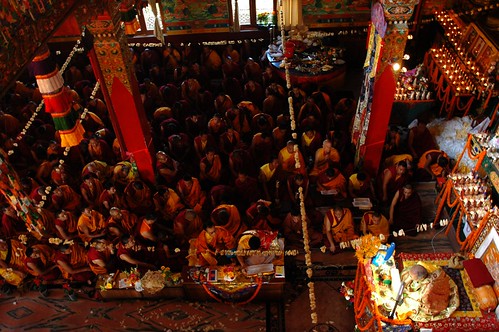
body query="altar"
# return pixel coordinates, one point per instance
(310, 65)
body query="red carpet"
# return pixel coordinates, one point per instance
(56, 313)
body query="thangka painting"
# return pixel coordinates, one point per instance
(363, 112)
(193, 16)
(321, 13)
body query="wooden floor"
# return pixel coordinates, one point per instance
(432, 240)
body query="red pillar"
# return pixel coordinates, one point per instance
(384, 90)
(112, 66)
(372, 121)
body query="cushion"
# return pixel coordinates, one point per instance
(479, 275)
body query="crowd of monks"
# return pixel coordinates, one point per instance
(226, 172)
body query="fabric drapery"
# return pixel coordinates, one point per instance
(292, 10)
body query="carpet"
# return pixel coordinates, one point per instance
(57, 313)
(468, 316)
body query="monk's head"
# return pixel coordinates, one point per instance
(150, 218)
(299, 179)
(290, 146)
(32, 252)
(209, 228)
(376, 217)
(127, 241)
(210, 154)
(274, 163)
(3, 245)
(326, 145)
(338, 211)
(309, 132)
(99, 244)
(223, 217)
(164, 192)
(115, 213)
(63, 215)
(407, 190)
(401, 168)
(295, 213)
(65, 249)
(361, 177)
(242, 176)
(109, 186)
(161, 156)
(87, 211)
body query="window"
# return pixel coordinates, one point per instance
(250, 10)
(146, 19)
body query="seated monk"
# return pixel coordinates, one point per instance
(261, 241)
(132, 254)
(210, 168)
(202, 143)
(247, 190)
(332, 183)
(66, 225)
(12, 225)
(45, 223)
(229, 141)
(339, 227)
(293, 230)
(124, 219)
(61, 175)
(227, 216)
(109, 198)
(91, 189)
(39, 263)
(406, 210)
(262, 147)
(100, 169)
(259, 216)
(325, 157)
(287, 159)
(433, 164)
(138, 197)
(361, 185)
(190, 192)
(269, 178)
(186, 226)
(373, 222)
(91, 224)
(166, 168)
(100, 257)
(98, 149)
(210, 242)
(294, 183)
(65, 198)
(72, 261)
(123, 173)
(420, 139)
(12, 255)
(167, 203)
(392, 179)
(150, 231)
(310, 143)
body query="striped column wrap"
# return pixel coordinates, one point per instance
(58, 101)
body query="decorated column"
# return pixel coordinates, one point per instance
(386, 45)
(57, 99)
(111, 62)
